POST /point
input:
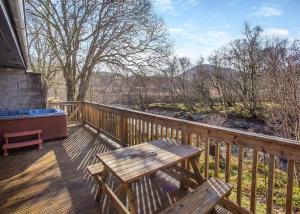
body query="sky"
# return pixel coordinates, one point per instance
(198, 27)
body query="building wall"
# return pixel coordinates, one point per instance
(20, 90)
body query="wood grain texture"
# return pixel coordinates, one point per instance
(131, 163)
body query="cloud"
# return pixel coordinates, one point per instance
(276, 32)
(176, 30)
(268, 11)
(192, 3)
(163, 5)
(193, 40)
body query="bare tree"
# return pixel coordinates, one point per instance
(41, 58)
(244, 57)
(282, 66)
(84, 33)
(179, 80)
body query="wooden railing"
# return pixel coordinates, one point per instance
(236, 156)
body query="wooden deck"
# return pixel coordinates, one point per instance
(55, 179)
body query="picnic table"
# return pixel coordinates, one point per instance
(131, 163)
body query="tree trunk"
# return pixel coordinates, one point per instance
(70, 88)
(45, 92)
(253, 93)
(83, 87)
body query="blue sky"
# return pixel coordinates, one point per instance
(198, 27)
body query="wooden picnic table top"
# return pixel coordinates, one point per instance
(131, 163)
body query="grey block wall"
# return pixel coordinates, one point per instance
(20, 90)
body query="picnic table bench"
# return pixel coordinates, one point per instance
(203, 199)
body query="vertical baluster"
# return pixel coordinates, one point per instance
(217, 158)
(289, 187)
(197, 141)
(105, 121)
(172, 133)
(167, 132)
(206, 157)
(240, 173)
(115, 124)
(93, 116)
(129, 130)
(270, 184)
(152, 131)
(139, 131)
(136, 131)
(143, 130)
(253, 183)
(228, 162)
(177, 134)
(132, 131)
(148, 131)
(99, 119)
(190, 142)
(162, 135)
(111, 123)
(107, 124)
(157, 131)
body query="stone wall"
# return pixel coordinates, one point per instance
(20, 90)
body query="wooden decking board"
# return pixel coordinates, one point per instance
(55, 180)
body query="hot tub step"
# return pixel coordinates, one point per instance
(8, 145)
(23, 133)
(22, 144)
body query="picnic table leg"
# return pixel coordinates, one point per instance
(196, 170)
(120, 190)
(183, 186)
(131, 199)
(101, 183)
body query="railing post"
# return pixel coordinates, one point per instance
(123, 129)
(184, 142)
(184, 134)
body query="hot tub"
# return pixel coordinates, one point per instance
(52, 122)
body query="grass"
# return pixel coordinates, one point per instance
(280, 179)
(238, 110)
(168, 106)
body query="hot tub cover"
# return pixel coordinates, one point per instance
(30, 113)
